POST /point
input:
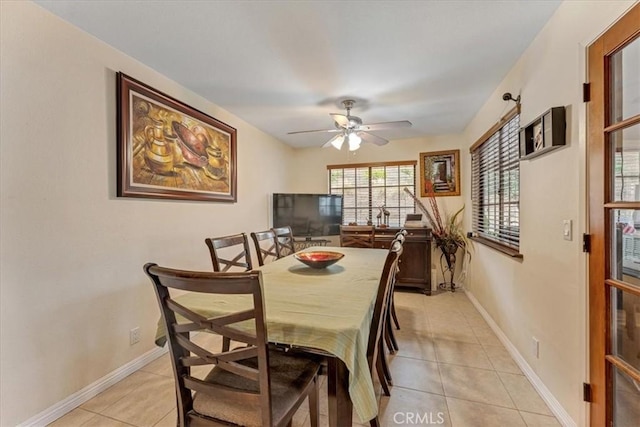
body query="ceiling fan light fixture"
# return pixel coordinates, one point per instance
(337, 142)
(354, 141)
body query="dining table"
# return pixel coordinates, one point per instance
(326, 310)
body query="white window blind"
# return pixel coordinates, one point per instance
(365, 187)
(495, 183)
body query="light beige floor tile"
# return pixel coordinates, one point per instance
(477, 385)
(416, 374)
(486, 335)
(168, 420)
(117, 392)
(102, 421)
(407, 407)
(75, 418)
(409, 299)
(472, 414)
(415, 344)
(411, 319)
(537, 420)
(455, 332)
(475, 318)
(501, 359)
(448, 320)
(461, 353)
(160, 366)
(147, 404)
(523, 394)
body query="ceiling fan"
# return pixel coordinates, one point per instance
(353, 131)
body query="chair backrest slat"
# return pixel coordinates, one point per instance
(265, 245)
(222, 262)
(284, 241)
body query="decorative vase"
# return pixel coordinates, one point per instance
(448, 250)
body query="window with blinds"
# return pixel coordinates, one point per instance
(495, 183)
(367, 186)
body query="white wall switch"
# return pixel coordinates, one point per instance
(566, 229)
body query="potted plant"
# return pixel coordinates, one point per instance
(447, 233)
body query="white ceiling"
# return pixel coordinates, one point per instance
(284, 66)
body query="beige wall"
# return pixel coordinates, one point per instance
(72, 252)
(544, 295)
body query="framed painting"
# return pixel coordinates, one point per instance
(169, 150)
(440, 173)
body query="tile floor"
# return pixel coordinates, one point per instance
(451, 370)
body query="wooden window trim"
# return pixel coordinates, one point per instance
(375, 164)
(513, 253)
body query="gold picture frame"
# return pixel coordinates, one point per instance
(169, 150)
(440, 173)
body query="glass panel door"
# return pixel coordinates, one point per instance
(613, 117)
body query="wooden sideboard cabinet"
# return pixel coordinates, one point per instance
(415, 262)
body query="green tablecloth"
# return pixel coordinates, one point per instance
(328, 309)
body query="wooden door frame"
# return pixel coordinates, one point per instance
(598, 169)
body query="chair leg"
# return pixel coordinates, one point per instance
(394, 314)
(383, 380)
(314, 403)
(388, 337)
(385, 365)
(226, 343)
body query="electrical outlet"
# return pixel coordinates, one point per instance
(134, 335)
(535, 347)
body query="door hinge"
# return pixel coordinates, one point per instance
(586, 392)
(586, 92)
(586, 243)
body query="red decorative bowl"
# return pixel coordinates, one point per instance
(318, 259)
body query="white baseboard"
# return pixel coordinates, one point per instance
(558, 410)
(61, 408)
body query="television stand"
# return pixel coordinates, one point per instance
(308, 242)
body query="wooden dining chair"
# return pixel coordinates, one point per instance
(390, 338)
(284, 241)
(265, 244)
(375, 348)
(251, 385)
(241, 260)
(357, 236)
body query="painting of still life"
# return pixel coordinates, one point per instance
(169, 150)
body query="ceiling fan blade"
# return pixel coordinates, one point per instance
(315, 131)
(387, 125)
(369, 137)
(329, 142)
(340, 119)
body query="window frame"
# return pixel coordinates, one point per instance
(489, 137)
(371, 208)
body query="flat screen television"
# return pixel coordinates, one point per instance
(309, 215)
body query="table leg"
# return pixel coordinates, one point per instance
(340, 407)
